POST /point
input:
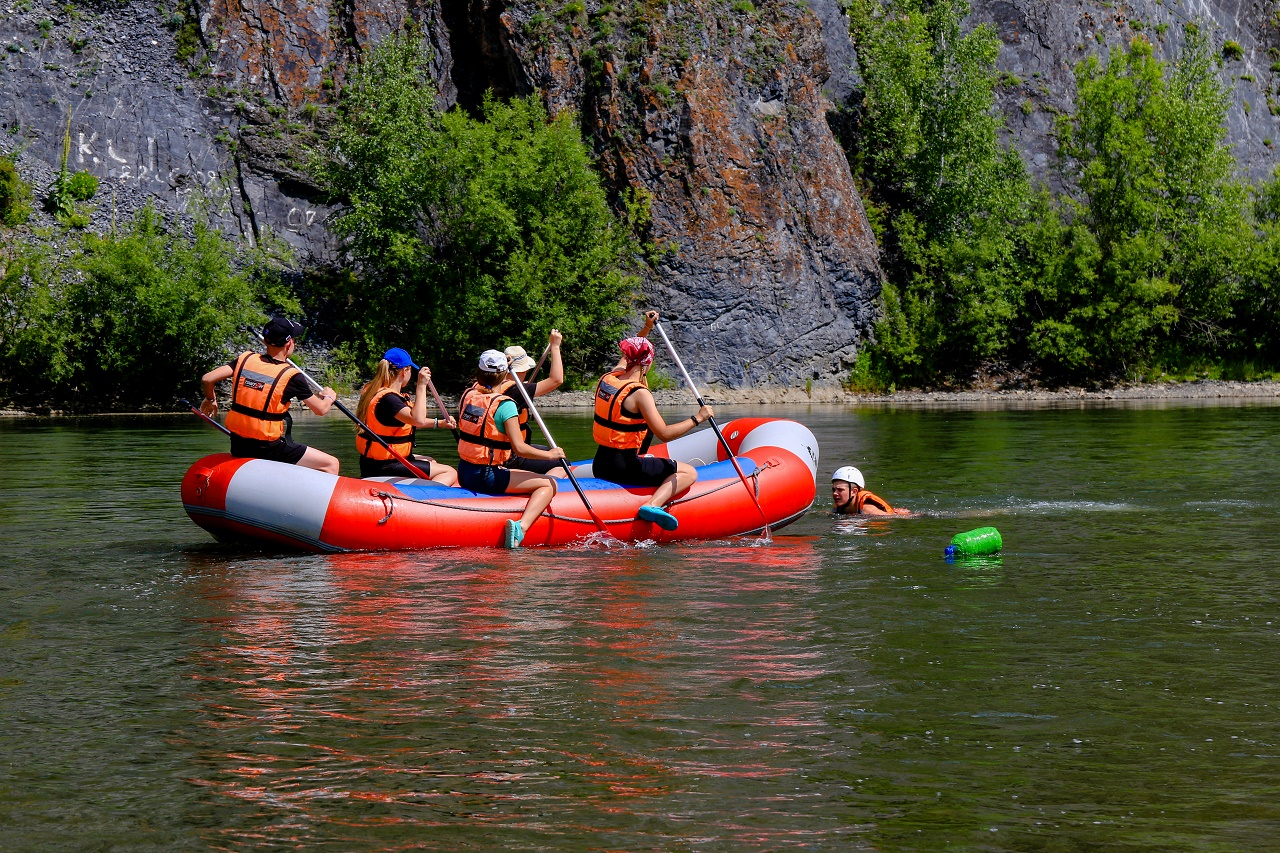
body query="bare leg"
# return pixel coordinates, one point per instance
(319, 460)
(442, 474)
(540, 488)
(684, 477)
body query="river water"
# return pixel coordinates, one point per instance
(1108, 682)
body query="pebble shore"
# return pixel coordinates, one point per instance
(1205, 389)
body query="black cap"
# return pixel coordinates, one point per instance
(278, 331)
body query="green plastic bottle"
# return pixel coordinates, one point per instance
(975, 543)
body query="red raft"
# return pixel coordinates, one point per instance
(254, 499)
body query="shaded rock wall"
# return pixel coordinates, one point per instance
(719, 114)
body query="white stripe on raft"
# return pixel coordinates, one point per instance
(287, 497)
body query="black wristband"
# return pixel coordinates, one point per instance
(695, 420)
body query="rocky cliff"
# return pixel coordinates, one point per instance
(718, 108)
(1044, 40)
(718, 111)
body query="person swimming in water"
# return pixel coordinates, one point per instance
(849, 497)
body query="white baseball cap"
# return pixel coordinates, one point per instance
(850, 475)
(492, 361)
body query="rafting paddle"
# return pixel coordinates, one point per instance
(184, 401)
(443, 410)
(417, 472)
(546, 351)
(714, 426)
(565, 462)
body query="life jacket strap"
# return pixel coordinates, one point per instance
(620, 427)
(484, 441)
(258, 413)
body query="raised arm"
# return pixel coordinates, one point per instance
(650, 317)
(556, 377)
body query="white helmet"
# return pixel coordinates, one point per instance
(850, 475)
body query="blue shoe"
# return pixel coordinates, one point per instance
(658, 516)
(513, 535)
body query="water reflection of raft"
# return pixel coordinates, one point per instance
(238, 499)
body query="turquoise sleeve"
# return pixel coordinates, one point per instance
(506, 410)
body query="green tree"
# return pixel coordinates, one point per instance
(125, 320)
(1155, 246)
(1258, 307)
(944, 193)
(469, 234)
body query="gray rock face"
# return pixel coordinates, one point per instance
(717, 113)
(1044, 40)
(137, 120)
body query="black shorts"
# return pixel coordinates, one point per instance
(394, 467)
(538, 466)
(485, 479)
(283, 449)
(629, 468)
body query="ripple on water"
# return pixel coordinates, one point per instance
(1106, 681)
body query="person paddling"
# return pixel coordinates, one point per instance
(489, 427)
(519, 364)
(385, 411)
(626, 420)
(850, 498)
(262, 387)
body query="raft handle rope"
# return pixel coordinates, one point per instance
(388, 502)
(387, 497)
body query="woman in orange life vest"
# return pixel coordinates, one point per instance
(519, 363)
(626, 419)
(262, 387)
(850, 498)
(489, 433)
(385, 411)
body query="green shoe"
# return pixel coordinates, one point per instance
(658, 516)
(513, 535)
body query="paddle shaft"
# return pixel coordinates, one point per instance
(714, 426)
(417, 472)
(443, 410)
(541, 361)
(184, 401)
(565, 462)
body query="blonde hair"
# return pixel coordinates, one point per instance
(383, 376)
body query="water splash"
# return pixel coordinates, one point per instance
(600, 541)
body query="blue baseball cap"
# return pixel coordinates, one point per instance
(399, 358)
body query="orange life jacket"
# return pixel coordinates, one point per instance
(614, 426)
(257, 394)
(503, 388)
(399, 436)
(480, 441)
(864, 497)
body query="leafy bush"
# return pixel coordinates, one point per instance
(1232, 50)
(82, 186)
(15, 195)
(123, 320)
(1158, 244)
(1152, 256)
(468, 234)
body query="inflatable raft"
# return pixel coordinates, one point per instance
(299, 508)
